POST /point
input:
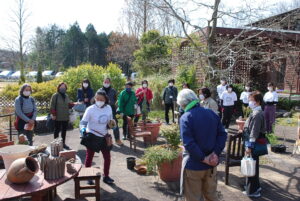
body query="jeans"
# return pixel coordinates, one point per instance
(200, 185)
(227, 114)
(28, 134)
(252, 183)
(106, 156)
(125, 125)
(169, 106)
(61, 126)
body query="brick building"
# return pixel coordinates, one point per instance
(265, 51)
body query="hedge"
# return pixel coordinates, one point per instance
(73, 77)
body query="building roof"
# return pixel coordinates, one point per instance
(281, 15)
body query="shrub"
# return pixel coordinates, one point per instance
(171, 133)
(186, 74)
(286, 104)
(73, 77)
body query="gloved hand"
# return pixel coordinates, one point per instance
(222, 109)
(82, 132)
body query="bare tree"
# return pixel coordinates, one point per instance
(19, 18)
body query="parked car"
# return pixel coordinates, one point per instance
(5, 74)
(59, 74)
(15, 75)
(133, 76)
(32, 74)
(47, 73)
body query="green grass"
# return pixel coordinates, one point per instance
(153, 115)
(293, 121)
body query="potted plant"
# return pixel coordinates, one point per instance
(165, 159)
(241, 121)
(153, 127)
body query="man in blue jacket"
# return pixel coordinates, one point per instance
(204, 138)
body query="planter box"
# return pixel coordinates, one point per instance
(154, 128)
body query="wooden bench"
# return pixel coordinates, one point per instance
(234, 153)
(84, 175)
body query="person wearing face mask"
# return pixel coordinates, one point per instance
(207, 101)
(95, 123)
(85, 93)
(245, 97)
(26, 112)
(169, 99)
(228, 104)
(126, 107)
(59, 107)
(254, 132)
(270, 99)
(144, 97)
(112, 96)
(220, 89)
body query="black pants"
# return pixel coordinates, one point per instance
(252, 183)
(61, 126)
(226, 116)
(116, 130)
(169, 106)
(125, 125)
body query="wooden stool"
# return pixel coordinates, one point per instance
(86, 174)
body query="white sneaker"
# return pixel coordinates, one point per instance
(253, 195)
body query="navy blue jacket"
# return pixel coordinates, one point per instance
(202, 133)
(81, 95)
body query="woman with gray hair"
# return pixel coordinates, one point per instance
(203, 138)
(25, 108)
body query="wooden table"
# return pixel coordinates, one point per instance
(38, 188)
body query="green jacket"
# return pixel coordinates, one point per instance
(61, 108)
(127, 109)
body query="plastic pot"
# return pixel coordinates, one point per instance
(130, 163)
(171, 171)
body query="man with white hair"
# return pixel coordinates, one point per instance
(204, 138)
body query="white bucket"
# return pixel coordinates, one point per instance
(13, 152)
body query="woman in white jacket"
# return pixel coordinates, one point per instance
(94, 124)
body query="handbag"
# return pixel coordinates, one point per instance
(50, 122)
(79, 107)
(260, 147)
(93, 142)
(248, 166)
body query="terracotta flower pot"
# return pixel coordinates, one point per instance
(13, 152)
(154, 128)
(240, 124)
(170, 171)
(22, 170)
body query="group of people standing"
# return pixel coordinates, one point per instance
(201, 128)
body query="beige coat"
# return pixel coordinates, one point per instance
(210, 104)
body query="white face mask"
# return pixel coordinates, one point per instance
(201, 97)
(252, 104)
(100, 103)
(26, 93)
(229, 89)
(171, 84)
(145, 85)
(247, 88)
(222, 82)
(270, 88)
(85, 85)
(106, 85)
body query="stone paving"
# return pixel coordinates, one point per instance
(280, 177)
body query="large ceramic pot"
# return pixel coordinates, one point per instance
(240, 123)
(154, 128)
(170, 171)
(13, 152)
(22, 170)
